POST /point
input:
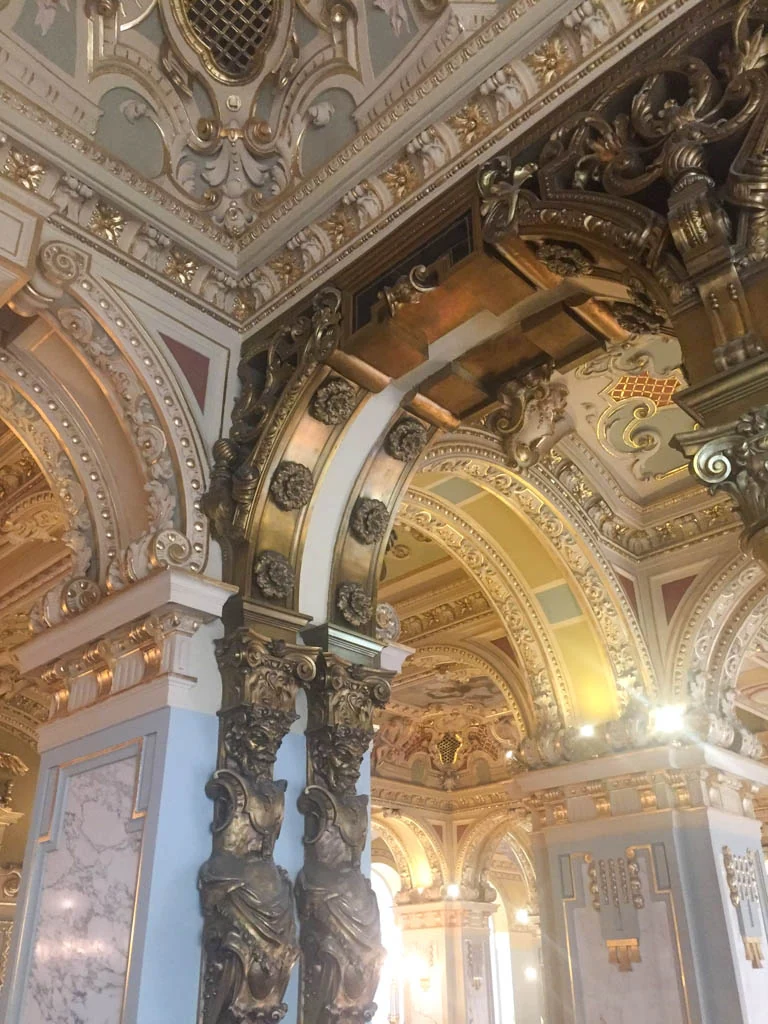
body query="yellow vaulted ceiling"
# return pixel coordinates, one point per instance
(570, 625)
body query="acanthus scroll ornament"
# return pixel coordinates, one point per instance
(531, 418)
(734, 459)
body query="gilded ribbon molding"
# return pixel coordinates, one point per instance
(340, 929)
(249, 935)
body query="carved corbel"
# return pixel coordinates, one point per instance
(734, 458)
(531, 417)
(340, 929)
(249, 935)
(57, 265)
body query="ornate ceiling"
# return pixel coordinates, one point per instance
(237, 163)
(33, 557)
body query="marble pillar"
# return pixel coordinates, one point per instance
(652, 888)
(446, 973)
(108, 923)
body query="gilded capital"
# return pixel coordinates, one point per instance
(734, 458)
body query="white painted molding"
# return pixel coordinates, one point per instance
(171, 588)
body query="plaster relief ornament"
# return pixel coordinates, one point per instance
(565, 260)
(734, 458)
(354, 604)
(333, 402)
(369, 520)
(273, 575)
(291, 486)
(406, 440)
(387, 623)
(532, 417)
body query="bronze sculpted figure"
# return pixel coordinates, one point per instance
(340, 929)
(249, 935)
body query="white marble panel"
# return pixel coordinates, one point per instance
(79, 957)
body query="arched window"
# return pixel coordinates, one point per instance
(385, 882)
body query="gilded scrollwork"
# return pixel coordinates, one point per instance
(734, 458)
(249, 937)
(272, 380)
(531, 416)
(340, 930)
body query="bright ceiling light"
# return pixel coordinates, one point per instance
(509, 755)
(522, 916)
(453, 891)
(669, 718)
(587, 732)
(531, 974)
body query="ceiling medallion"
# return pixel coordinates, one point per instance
(230, 36)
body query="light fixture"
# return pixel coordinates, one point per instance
(509, 755)
(452, 891)
(669, 718)
(522, 916)
(587, 732)
(531, 974)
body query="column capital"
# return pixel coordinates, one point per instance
(140, 635)
(734, 458)
(669, 778)
(444, 914)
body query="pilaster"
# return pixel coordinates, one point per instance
(108, 921)
(650, 872)
(447, 961)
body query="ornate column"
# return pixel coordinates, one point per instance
(650, 873)
(340, 932)
(249, 937)
(108, 921)
(446, 961)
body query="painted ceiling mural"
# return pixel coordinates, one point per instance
(237, 152)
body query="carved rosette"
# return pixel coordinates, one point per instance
(249, 934)
(273, 575)
(333, 402)
(340, 931)
(369, 520)
(734, 459)
(531, 416)
(354, 604)
(406, 440)
(291, 486)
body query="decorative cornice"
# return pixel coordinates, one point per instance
(517, 93)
